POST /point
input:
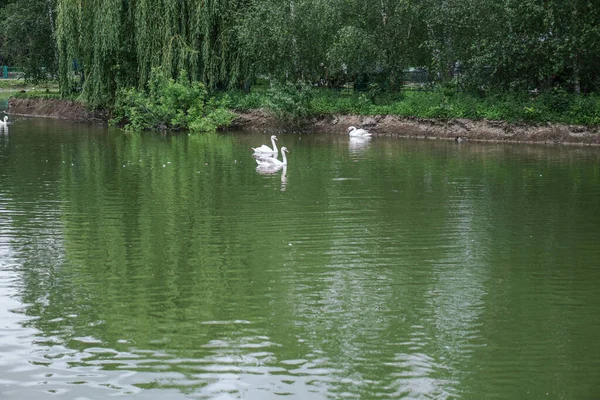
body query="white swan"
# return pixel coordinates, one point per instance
(352, 131)
(264, 149)
(273, 161)
(5, 122)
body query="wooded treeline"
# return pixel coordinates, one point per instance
(496, 45)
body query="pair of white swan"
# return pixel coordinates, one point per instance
(266, 157)
(353, 132)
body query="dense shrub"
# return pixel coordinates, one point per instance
(290, 102)
(287, 102)
(171, 105)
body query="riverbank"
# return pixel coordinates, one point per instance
(383, 125)
(389, 125)
(55, 108)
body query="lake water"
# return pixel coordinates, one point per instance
(150, 267)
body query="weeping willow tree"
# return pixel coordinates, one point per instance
(116, 43)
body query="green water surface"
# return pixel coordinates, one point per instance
(156, 267)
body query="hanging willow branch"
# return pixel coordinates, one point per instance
(117, 43)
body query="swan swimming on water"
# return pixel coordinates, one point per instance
(353, 132)
(264, 149)
(5, 122)
(273, 161)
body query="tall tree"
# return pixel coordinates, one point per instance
(28, 33)
(508, 44)
(117, 43)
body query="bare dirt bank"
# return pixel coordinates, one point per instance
(55, 108)
(389, 125)
(384, 125)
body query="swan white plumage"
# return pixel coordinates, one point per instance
(5, 122)
(273, 161)
(264, 149)
(352, 131)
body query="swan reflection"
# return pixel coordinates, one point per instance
(3, 137)
(4, 125)
(268, 169)
(359, 143)
(283, 178)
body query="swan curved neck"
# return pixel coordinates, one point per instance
(274, 145)
(284, 158)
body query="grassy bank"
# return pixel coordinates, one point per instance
(179, 105)
(554, 107)
(21, 89)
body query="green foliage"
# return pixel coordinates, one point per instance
(485, 47)
(584, 110)
(171, 105)
(290, 102)
(330, 102)
(116, 44)
(374, 91)
(36, 95)
(27, 28)
(13, 84)
(247, 101)
(557, 100)
(353, 51)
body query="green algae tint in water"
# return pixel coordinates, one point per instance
(170, 268)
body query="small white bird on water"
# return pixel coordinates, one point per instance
(264, 149)
(5, 122)
(353, 132)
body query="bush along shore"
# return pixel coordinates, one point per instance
(171, 106)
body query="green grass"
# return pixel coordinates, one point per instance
(292, 105)
(21, 89)
(12, 84)
(19, 84)
(34, 94)
(555, 107)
